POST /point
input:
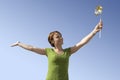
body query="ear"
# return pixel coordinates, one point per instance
(52, 41)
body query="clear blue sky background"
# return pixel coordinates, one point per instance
(30, 21)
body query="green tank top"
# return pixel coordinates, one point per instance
(57, 64)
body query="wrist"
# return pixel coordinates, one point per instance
(94, 32)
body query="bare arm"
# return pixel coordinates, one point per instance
(86, 39)
(30, 48)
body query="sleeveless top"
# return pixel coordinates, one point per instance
(57, 64)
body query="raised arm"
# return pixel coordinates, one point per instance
(86, 39)
(30, 48)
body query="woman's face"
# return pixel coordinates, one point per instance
(58, 39)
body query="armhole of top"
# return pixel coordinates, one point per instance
(68, 51)
(46, 51)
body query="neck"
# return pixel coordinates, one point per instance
(58, 48)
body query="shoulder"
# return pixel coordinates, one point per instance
(71, 50)
(67, 51)
(48, 50)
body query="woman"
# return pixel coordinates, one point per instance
(58, 58)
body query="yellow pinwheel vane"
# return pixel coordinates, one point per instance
(98, 10)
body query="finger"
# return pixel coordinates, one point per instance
(13, 45)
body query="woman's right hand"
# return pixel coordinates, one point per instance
(98, 26)
(15, 44)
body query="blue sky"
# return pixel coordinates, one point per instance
(30, 21)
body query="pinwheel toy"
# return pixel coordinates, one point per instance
(98, 12)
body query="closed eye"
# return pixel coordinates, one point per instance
(58, 36)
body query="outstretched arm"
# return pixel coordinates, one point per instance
(30, 48)
(86, 39)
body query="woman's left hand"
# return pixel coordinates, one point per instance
(15, 44)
